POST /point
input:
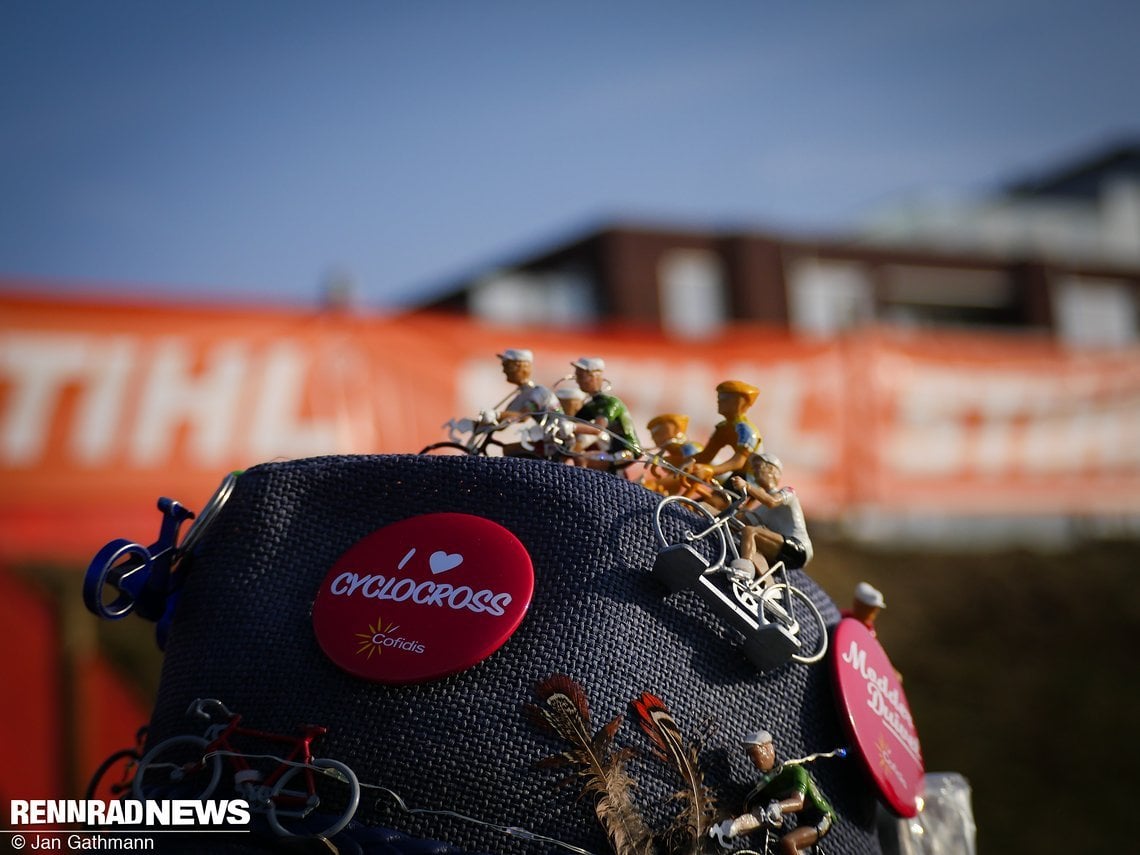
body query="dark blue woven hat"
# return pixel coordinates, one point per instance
(243, 634)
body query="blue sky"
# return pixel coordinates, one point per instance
(248, 149)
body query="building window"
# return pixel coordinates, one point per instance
(947, 296)
(1095, 312)
(560, 298)
(825, 297)
(692, 293)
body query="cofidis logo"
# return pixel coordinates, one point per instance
(423, 598)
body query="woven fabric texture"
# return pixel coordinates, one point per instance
(243, 634)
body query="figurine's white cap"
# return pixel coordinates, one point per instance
(770, 459)
(869, 595)
(590, 363)
(570, 393)
(516, 355)
(756, 737)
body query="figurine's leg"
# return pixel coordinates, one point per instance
(805, 836)
(798, 840)
(750, 549)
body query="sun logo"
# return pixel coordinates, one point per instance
(377, 637)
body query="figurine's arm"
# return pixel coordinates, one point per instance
(735, 463)
(742, 485)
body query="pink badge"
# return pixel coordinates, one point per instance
(876, 716)
(423, 598)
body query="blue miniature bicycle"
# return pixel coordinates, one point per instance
(126, 577)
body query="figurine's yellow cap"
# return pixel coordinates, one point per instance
(682, 422)
(739, 387)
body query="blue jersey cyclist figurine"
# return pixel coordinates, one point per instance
(607, 413)
(733, 400)
(783, 788)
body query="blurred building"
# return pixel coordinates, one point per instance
(1059, 254)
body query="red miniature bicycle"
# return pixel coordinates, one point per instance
(289, 793)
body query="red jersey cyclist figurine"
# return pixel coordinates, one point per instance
(865, 606)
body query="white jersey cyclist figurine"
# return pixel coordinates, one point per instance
(518, 365)
(775, 529)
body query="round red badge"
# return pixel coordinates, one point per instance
(877, 717)
(423, 598)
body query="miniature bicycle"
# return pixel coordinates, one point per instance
(470, 436)
(190, 767)
(126, 577)
(549, 436)
(115, 775)
(779, 620)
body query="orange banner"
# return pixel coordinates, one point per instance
(104, 407)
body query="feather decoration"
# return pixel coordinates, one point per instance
(564, 712)
(689, 831)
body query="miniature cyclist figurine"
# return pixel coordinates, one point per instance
(518, 365)
(530, 399)
(570, 398)
(674, 449)
(865, 606)
(784, 788)
(609, 414)
(775, 529)
(733, 400)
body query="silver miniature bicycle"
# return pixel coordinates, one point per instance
(778, 620)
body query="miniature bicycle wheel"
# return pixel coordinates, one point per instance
(314, 800)
(453, 448)
(177, 768)
(785, 605)
(103, 593)
(680, 520)
(114, 777)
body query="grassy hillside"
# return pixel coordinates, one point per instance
(1020, 669)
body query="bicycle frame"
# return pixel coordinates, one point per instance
(219, 741)
(146, 578)
(752, 607)
(143, 576)
(191, 767)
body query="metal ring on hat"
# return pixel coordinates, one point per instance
(209, 512)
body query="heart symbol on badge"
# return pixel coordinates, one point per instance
(441, 562)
